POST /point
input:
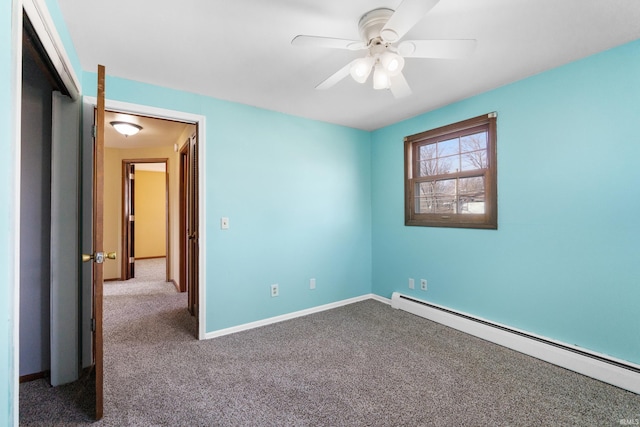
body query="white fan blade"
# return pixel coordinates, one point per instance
(328, 42)
(404, 18)
(336, 77)
(399, 86)
(447, 49)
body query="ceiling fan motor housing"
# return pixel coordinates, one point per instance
(372, 22)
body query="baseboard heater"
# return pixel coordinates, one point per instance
(617, 372)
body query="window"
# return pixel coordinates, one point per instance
(450, 175)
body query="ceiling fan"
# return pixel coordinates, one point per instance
(380, 30)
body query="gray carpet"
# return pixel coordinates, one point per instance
(360, 365)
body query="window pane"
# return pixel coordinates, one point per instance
(427, 152)
(435, 197)
(448, 147)
(474, 160)
(471, 197)
(424, 197)
(428, 168)
(449, 164)
(475, 142)
(444, 199)
(427, 163)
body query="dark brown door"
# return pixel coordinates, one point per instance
(98, 226)
(183, 237)
(192, 210)
(99, 256)
(190, 221)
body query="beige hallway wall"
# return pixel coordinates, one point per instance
(150, 214)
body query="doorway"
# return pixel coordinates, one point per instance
(145, 215)
(158, 141)
(153, 145)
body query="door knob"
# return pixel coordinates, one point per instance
(99, 257)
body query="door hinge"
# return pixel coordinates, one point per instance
(93, 325)
(132, 218)
(94, 131)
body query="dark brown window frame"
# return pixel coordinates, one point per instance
(486, 220)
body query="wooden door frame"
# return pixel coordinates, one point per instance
(200, 122)
(189, 226)
(126, 163)
(182, 216)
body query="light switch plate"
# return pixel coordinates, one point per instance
(224, 223)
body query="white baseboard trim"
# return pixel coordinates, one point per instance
(289, 316)
(617, 372)
(380, 299)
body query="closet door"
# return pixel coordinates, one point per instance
(65, 229)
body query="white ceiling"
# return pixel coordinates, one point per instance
(240, 50)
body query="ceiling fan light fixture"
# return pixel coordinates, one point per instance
(392, 63)
(381, 79)
(380, 29)
(361, 68)
(126, 128)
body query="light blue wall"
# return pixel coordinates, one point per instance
(7, 120)
(564, 262)
(297, 193)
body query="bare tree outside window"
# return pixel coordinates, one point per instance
(451, 175)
